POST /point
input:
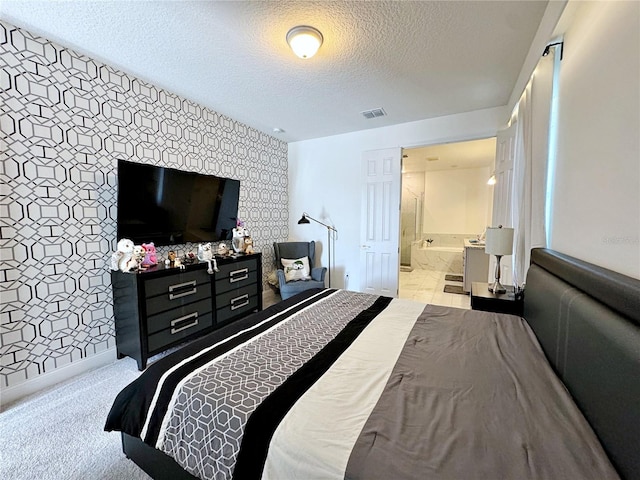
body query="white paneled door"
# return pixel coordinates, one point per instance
(503, 197)
(380, 223)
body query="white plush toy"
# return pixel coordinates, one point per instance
(205, 254)
(135, 263)
(122, 256)
(237, 241)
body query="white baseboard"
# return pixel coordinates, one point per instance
(11, 394)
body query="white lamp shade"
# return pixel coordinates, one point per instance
(499, 241)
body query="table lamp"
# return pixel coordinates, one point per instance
(499, 242)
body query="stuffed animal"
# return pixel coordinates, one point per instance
(122, 256)
(248, 245)
(173, 260)
(150, 256)
(223, 249)
(135, 261)
(237, 241)
(189, 258)
(205, 254)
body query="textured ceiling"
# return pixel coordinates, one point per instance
(471, 154)
(416, 60)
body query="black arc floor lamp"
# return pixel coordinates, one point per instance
(305, 219)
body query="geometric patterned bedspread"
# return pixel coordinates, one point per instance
(210, 408)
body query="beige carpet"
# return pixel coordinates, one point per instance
(58, 434)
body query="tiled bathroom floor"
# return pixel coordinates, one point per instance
(428, 286)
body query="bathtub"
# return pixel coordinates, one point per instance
(441, 259)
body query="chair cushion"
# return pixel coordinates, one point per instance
(296, 269)
(290, 289)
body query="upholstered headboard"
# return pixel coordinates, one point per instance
(587, 320)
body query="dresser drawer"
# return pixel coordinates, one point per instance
(239, 280)
(169, 318)
(176, 285)
(236, 297)
(182, 328)
(236, 269)
(178, 297)
(236, 305)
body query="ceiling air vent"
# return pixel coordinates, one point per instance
(373, 113)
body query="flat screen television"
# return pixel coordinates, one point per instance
(168, 206)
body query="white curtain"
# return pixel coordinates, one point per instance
(521, 202)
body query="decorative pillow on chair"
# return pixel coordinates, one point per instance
(297, 269)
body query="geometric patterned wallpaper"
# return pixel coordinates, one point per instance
(65, 120)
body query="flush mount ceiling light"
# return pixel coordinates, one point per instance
(304, 40)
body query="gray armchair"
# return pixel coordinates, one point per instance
(292, 250)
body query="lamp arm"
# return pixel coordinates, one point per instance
(304, 214)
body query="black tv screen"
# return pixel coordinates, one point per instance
(168, 206)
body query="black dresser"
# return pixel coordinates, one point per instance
(161, 307)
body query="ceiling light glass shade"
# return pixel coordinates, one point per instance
(304, 40)
(492, 180)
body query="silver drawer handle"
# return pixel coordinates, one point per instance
(244, 297)
(180, 286)
(182, 319)
(233, 274)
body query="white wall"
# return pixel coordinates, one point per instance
(596, 203)
(456, 200)
(324, 177)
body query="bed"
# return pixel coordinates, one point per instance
(338, 384)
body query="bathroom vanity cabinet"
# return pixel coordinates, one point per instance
(475, 264)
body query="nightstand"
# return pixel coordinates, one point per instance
(483, 299)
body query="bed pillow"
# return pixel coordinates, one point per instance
(296, 269)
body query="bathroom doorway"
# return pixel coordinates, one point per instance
(445, 199)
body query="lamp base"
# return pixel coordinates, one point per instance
(497, 287)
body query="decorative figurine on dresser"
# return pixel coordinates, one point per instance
(162, 305)
(223, 250)
(122, 256)
(248, 245)
(150, 257)
(240, 232)
(205, 254)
